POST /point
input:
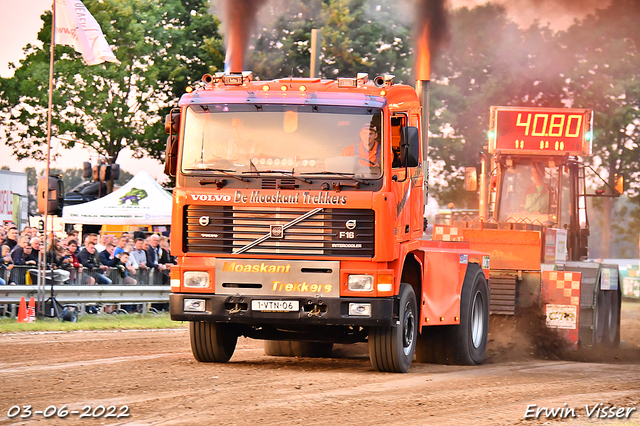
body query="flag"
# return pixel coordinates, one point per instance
(76, 27)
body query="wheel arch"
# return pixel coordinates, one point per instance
(412, 272)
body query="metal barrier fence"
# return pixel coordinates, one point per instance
(83, 286)
(77, 294)
(27, 275)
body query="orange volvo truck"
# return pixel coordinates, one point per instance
(533, 222)
(298, 219)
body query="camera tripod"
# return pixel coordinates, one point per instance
(56, 309)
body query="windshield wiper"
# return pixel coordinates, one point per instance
(282, 172)
(346, 176)
(223, 171)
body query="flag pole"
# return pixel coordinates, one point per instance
(43, 256)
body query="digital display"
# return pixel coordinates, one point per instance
(542, 131)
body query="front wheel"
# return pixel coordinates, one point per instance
(392, 348)
(212, 342)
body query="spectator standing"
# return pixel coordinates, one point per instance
(122, 242)
(73, 235)
(35, 250)
(107, 256)
(6, 264)
(138, 254)
(102, 245)
(75, 263)
(89, 259)
(55, 256)
(11, 239)
(18, 255)
(126, 268)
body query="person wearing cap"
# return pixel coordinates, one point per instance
(368, 150)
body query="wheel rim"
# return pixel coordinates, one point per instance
(477, 320)
(408, 329)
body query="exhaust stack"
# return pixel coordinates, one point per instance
(239, 20)
(423, 72)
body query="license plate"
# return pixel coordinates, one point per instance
(275, 305)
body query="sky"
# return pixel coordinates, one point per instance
(20, 22)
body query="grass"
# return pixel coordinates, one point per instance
(93, 322)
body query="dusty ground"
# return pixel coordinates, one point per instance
(154, 374)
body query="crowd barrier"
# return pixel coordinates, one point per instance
(27, 275)
(145, 289)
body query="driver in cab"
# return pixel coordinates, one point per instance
(368, 150)
(237, 148)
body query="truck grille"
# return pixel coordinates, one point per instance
(230, 228)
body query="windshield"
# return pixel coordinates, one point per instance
(529, 192)
(293, 139)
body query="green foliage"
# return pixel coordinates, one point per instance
(108, 107)
(357, 36)
(603, 74)
(488, 61)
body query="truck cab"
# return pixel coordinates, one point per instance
(299, 203)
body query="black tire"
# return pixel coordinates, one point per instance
(433, 345)
(392, 348)
(212, 342)
(612, 319)
(468, 340)
(291, 348)
(602, 310)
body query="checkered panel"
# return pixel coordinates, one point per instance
(561, 303)
(446, 233)
(561, 287)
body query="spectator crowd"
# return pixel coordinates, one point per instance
(98, 259)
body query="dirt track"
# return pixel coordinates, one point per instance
(154, 373)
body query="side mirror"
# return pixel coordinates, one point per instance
(171, 156)
(172, 128)
(470, 179)
(172, 123)
(410, 144)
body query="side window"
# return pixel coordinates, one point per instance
(398, 121)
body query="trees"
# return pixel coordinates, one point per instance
(488, 61)
(604, 75)
(357, 36)
(108, 107)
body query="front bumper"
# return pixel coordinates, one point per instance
(313, 311)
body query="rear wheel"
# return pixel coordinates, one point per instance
(293, 348)
(469, 338)
(612, 319)
(433, 345)
(392, 348)
(212, 342)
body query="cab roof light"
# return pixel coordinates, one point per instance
(237, 79)
(347, 82)
(361, 79)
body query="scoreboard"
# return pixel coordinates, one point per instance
(540, 131)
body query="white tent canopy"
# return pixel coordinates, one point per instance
(142, 201)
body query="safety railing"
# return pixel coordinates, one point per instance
(28, 275)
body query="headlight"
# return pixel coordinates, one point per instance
(196, 279)
(194, 305)
(360, 309)
(360, 283)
